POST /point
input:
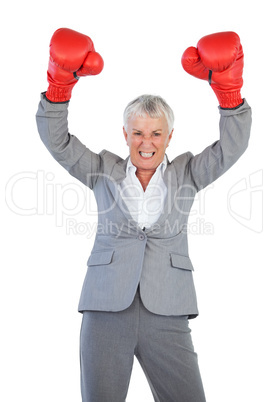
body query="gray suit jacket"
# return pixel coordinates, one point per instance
(124, 256)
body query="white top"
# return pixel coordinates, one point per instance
(146, 206)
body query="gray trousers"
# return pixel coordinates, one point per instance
(163, 346)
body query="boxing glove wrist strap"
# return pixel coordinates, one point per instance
(228, 100)
(58, 93)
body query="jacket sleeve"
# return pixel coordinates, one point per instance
(209, 165)
(75, 157)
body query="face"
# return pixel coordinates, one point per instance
(147, 139)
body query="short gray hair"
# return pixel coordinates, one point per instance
(151, 105)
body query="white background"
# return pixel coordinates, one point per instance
(44, 244)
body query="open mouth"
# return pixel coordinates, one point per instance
(146, 154)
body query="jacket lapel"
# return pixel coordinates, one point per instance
(170, 180)
(119, 171)
(118, 174)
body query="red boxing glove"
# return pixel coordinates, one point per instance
(219, 59)
(72, 55)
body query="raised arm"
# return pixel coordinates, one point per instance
(219, 59)
(72, 55)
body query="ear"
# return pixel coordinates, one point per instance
(170, 136)
(125, 134)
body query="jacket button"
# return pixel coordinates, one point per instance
(141, 237)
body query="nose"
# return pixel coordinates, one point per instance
(147, 141)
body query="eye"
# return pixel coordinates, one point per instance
(136, 133)
(157, 134)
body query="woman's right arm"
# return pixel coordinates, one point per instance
(75, 157)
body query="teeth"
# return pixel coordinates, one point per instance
(146, 155)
